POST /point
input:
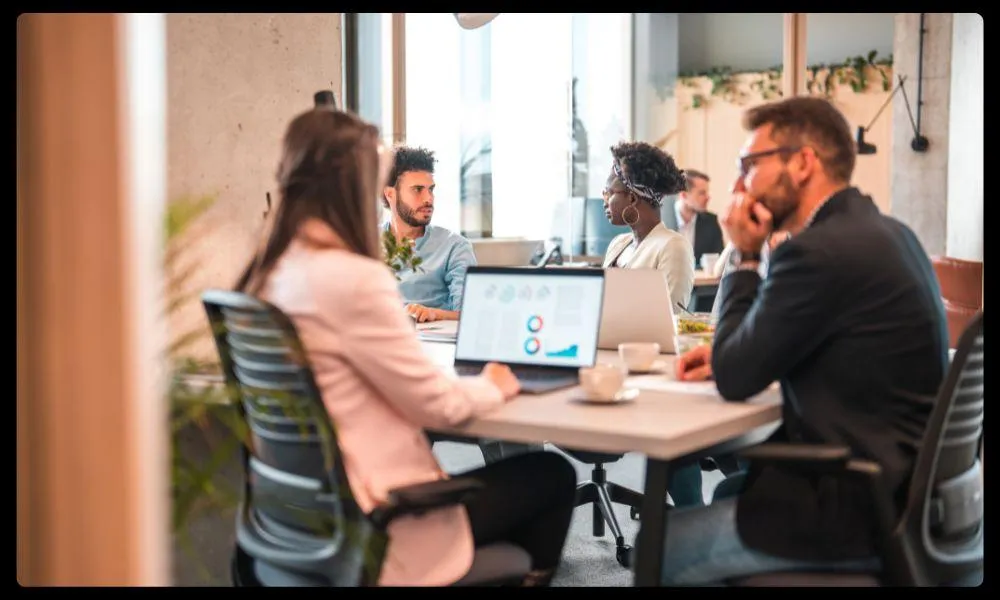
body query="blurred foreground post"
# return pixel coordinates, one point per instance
(92, 453)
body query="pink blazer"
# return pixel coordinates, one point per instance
(381, 391)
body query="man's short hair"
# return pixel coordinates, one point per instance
(690, 174)
(410, 159)
(813, 122)
(649, 166)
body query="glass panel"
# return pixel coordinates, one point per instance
(531, 110)
(374, 70)
(602, 116)
(498, 114)
(448, 112)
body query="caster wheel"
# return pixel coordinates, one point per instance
(634, 513)
(624, 556)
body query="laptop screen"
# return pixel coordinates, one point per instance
(547, 317)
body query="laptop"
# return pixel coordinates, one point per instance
(637, 308)
(543, 323)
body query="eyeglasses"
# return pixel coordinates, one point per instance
(745, 163)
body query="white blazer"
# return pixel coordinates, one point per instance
(380, 391)
(665, 250)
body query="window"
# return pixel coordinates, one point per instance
(373, 69)
(520, 113)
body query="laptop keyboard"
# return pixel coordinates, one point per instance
(532, 380)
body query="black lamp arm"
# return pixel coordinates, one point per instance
(920, 142)
(899, 86)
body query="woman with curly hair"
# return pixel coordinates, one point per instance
(641, 175)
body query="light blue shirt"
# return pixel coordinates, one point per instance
(440, 278)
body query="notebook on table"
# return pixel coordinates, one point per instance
(543, 323)
(438, 331)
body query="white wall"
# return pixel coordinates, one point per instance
(965, 152)
(833, 37)
(753, 41)
(742, 41)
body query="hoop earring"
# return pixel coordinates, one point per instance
(624, 218)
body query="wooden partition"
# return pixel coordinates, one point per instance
(92, 505)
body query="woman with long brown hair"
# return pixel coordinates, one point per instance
(320, 263)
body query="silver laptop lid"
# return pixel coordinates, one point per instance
(526, 316)
(637, 308)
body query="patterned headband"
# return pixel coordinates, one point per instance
(643, 191)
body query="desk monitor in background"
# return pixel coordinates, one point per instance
(637, 309)
(542, 322)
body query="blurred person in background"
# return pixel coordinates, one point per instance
(689, 215)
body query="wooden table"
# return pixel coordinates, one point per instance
(670, 422)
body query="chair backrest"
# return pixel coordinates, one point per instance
(940, 532)
(297, 512)
(961, 283)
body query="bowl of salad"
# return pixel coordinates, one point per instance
(694, 330)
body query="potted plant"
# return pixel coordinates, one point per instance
(205, 429)
(399, 254)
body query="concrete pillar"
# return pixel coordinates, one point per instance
(235, 81)
(965, 153)
(920, 179)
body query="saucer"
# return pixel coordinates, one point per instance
(624, 395)
(658, 366)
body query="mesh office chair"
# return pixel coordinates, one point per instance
(937, 539)
(298, 524)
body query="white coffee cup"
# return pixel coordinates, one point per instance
(602, 381)
(639, 356)
(708, 261)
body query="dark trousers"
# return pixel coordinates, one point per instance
(493, 450)
(528, 500)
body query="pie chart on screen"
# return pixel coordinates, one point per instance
(532, 346)
(534, 323)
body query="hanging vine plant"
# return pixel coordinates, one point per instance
(855, 72)
(822, 79)
(768, 84)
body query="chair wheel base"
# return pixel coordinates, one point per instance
(624, 556)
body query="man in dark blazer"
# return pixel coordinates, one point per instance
(849, 320)
(689, 215)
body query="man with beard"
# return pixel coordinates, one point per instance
(848, 319)
(434, 291)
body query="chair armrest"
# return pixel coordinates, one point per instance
(818, 458)
(837, 461)
(418, 498)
